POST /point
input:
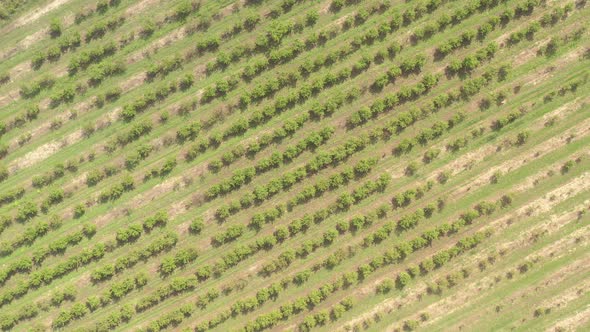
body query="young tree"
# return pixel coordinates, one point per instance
(55, 28)
(403, 279)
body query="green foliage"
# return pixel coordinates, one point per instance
(196, 226)
(188, 132)
(99, 72)
(292, 174)
(230, 234)
(403, 279)
(183, 10)
(148, 27)
(180, 259)
(522, 137)
(160, 219)
(26, 211)
(55, 28)
(34, 88)
(92, 55)
(385, 286)
(116, 191)
(175, 286)
(129, 234)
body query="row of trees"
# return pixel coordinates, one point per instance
(175, 287)
(557, 14)
(369, 188)
(47, 275)
(346, 200)
(471, 62)
(27, 237)
(102, 6)
(55, 197)
(28, 311)
(270, 87)
(116, 191)
(293, 98)
(59, 170)
(443, 100)
(73, 39)
(268, 43)
(65, 43)
(230, 234)
(353, 225)
(270, 39)
(150, 97)
(180, 259)
(68, 293)
(361, 169)
(129, 234)
(492, 23)
(172, 318)
(10, 196)
(267, 216)
(31, 112)
(136, 131)
(405, 94)
(95, 176)
(456, 17)
(322, 317)
(300, 304)
(404, 277)
(94, 55)
(428, 134)
(288, 53)
(23, 265)
(160, 219)
(162, 244)
(406, 67)
(250, 150)
(311, 142)
(110, 95)
(440, 258)
(115, 292)
(99, 72)
(317, 111)
(26, 211)
(99, 29)
(404, 249)
(188, 131)
(32, 89)
(507, 119)
(399, 253)
(164, 67)
(133, 160)
(114, 319)
(59, 246)
(528, 33)
(569, 87)
(391, 256)
(320, 161)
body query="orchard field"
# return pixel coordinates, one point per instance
(293, 165)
